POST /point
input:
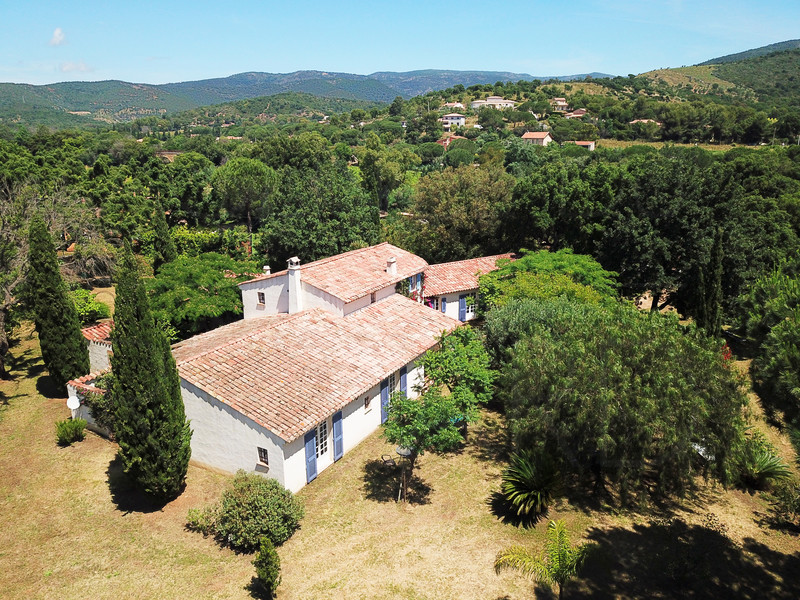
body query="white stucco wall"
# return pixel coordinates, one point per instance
(83, 412)
(276, 297)
(225, 439)
(452, 304)
(314, 297)
(98, 356)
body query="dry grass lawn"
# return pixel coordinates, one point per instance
(71, 530)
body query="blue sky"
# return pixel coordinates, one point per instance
(177, 40)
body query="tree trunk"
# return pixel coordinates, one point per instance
(654, 305)
(3, 343)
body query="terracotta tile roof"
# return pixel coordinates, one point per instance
(535, 135)
(295, 370)
(101, 332)
(84, 383)
(357, 273)
(447, 278)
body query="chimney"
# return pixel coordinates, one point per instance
(267, 270)
(295, 297)
(391, 266)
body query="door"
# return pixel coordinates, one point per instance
(338, 440)
(384, 400)
(311, 455)
(443, 304)
(462, 308)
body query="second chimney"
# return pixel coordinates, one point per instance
(295, 297)
(391, 266)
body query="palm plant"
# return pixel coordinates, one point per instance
(759, 465)
(559, 562)
(531, 482)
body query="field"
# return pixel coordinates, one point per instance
(613, 144)
(73, 528)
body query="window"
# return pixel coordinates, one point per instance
(471, 302)
(261, 298)
(433, 303)
(372, 297)
(322, 438)
(392, 383)
(263, 456)
(367, 402)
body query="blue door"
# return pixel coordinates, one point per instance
(311, 455)
(338, 440)
(462, 308)
(403, 381)
(384, 400)
(444, 304)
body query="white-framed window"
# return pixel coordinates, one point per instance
(263, 456)
(322, 438)
(261, 298)
(392, 383)
(472, 301)
(433, 302)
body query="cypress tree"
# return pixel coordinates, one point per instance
(149, 419)
(64, 349)
(164, 250)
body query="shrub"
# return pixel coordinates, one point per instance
(251, 508)
(268, 568)
(786, 501)
(88, 307)
(70, 431)
(758, 464)
(531, 482)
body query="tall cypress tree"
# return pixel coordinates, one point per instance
(149, 419)
(164, 250)
(64, 349)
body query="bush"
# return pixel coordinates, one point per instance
(786, 501)
(758, 464)
(531, 482)
(268, 568)
(88, 307)
(251, 508)
(70, 431)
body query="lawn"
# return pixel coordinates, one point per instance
(73, 530)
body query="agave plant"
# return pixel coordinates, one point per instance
(531, 482)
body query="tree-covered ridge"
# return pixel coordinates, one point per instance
(755, 52)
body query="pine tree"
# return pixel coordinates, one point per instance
(64, 349)
(164, 250)
(149, 420)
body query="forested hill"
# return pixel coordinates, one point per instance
(414, 83)
(755, 52)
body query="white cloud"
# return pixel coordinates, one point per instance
(70, 67)
(58, 38)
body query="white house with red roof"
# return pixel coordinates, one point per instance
(309, 371)
(451, 119)
(540, 138)
(452, 288)
(98, 340)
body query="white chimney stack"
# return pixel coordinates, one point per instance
(295, 297)
(267, 270)
(391, 266)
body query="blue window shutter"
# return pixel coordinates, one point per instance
(338, 440)
(443, 304)
(384, 400)
(462, 308)
(311, 455)
(403, 379)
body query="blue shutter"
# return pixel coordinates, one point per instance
(384, 400)
(443, 304)
(338, 440)
(462, 308)
(311, 455)
(403, 378)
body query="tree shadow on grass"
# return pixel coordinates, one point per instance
(48, 388)
(500, 508)
(124, 493)
(671, 559)
(382, 484)
(488, 440)
(256, 590)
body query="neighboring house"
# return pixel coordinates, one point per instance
(452, 288)
(497, 102)
(98, 340)
(559, 105)
(453, 105)
(453, 119)
(576, 114)
(309, 371)
(588, 144)
(644, 121)
(449, 140)
(540, 138)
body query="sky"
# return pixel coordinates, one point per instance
(160, 42)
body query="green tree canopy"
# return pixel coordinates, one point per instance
(244, 186)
